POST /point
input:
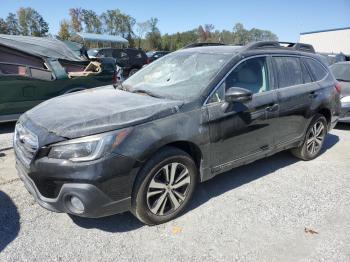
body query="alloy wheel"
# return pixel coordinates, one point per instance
(315, 138)
(168, 189)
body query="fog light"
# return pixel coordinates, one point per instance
(77, 204)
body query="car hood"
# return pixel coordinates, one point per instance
(97, 110)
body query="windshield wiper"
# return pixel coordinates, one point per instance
(149, 93)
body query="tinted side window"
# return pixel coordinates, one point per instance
(289, 72)
(116, 53)
(41, 74)
(9, 69)
(318, 71)
(251, 74)
(306, 74)
(108, 53)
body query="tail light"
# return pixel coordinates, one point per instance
(338, 87)
(148, 61)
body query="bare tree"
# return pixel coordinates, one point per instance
(76, 15)
(141, 29)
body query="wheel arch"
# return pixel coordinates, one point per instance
(190, 148)
(326, 112)
(187, 146)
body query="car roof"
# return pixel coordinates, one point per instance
(234, 50)
(222, 49)
(260, 47)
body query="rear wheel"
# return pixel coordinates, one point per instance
(314, 139)
(164, 186)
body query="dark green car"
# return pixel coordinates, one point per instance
(30, 75)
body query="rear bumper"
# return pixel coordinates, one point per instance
(96, 203)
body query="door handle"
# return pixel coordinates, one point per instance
(272, 108)
(313, 95)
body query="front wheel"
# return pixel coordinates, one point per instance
(164, 186)
(314, 139)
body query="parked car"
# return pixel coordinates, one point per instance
(34, 69)
(335, 58)
(183, 119)
(129, 60)
(341, 72)
(154, 55)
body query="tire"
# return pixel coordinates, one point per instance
(158, 198)
(133, 71)
(314, 139)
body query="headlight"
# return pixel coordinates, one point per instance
(345, 99)
(88, 148)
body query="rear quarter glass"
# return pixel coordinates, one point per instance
(317, 69)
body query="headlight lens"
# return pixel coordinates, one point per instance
(88, 148)
(345, 99)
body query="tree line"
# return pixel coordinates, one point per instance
(26, 21)
(143, 34)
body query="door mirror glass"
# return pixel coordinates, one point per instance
(238, 95)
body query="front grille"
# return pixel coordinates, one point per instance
(25, 144)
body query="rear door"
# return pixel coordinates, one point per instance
(16, 89)
(295, 91)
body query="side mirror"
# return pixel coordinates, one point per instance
(238, 95)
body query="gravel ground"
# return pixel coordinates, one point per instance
(276, 209)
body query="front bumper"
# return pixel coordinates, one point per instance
(104, 186)
(96, 203)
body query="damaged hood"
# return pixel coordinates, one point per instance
(98, 110)
(41, 46)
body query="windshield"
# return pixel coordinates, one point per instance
(341, 71)
(92, 52)
(181, 75)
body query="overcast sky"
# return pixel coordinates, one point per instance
(284, 18)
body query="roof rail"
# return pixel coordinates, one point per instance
(202, 44)
(281, 45)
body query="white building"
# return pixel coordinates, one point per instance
(328, 41)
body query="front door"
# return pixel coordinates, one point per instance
(15, 89)
(240, 131)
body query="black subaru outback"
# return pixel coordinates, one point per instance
(195, 113)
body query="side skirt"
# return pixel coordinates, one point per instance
(216, 170)
(9, 118)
